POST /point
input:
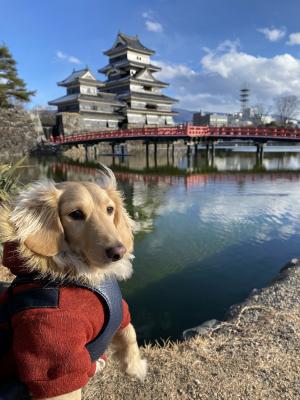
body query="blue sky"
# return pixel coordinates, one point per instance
(208, 49)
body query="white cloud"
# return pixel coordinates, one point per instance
(273, 35)
(215, 85)
(147, 14)
(70, 59)
(150, 23)
(171, 71)
(294, 38)
(153, 26)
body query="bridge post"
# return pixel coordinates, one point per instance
(173, 153)
(95, 151)
(188, 149)
(113, 144)
(155, 154)
(168, 145)
(122, 146)
(147, 154)
(260, 151)
(196, 147)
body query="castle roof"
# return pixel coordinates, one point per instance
(76, 76)
(125, 80)
(128, 64)
(102, 97)
(147, 96)
(126, 42)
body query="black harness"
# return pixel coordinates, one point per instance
(47, 296)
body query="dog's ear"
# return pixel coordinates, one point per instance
(36, 219)
(106, 178)
(122, 220)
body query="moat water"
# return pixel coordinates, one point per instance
(209, 229)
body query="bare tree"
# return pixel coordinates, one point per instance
(260, 109)
(260, 112)
(286, 107)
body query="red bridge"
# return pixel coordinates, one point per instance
(186, 132)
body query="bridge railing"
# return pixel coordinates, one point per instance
(181, 131)
(255, 132)
(123, 134)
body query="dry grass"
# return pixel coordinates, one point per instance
(255, 355)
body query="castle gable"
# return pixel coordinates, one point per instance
(88, 75)
(145, 75)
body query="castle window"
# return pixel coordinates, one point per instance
(118, 58)
(73, 90)
(151, 106)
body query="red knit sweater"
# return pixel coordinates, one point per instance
(48, 352)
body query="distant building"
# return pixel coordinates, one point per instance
(211, 119)
(130, 76)
(97, 110)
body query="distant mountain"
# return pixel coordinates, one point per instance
(183, 115)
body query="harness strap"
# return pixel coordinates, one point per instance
(110, 292)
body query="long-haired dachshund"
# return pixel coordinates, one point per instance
(63, 241)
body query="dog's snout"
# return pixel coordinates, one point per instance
(115, 253)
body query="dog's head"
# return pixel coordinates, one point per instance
(79, 223)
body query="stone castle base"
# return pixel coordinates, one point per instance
(19, 132)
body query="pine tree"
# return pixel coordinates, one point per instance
(12, 88)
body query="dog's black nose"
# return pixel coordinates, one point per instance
(115, 253)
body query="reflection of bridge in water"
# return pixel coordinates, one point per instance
(188, 179)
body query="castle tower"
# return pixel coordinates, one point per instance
(97, 110)
(130, 76)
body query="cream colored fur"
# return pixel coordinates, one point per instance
(52, 243)
(27, 215)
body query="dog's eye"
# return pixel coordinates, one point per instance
(110, 210)
(77, 214)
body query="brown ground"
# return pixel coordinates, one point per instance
(255, 354)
